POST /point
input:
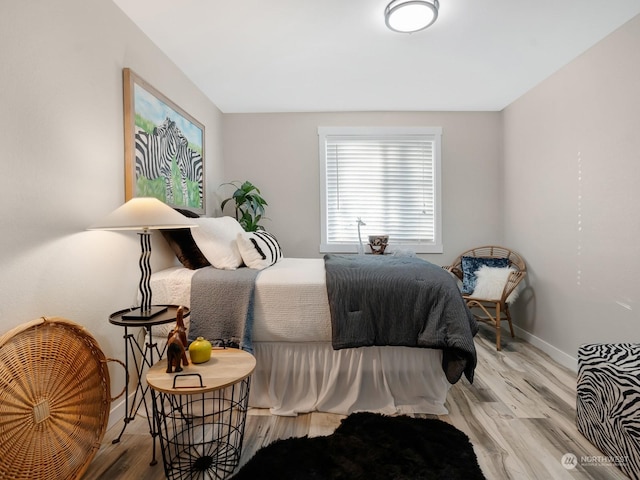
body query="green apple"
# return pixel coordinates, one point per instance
(200, 350)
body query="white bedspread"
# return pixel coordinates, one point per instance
(291, 302)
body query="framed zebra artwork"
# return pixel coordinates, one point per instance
(164, 148)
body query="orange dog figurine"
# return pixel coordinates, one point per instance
(176, 345)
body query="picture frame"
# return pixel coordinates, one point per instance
(164, 148)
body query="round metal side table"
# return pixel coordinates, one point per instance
(201, 413)
(142, 355)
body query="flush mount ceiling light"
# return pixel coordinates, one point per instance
(408, 16)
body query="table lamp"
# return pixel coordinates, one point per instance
(144, 214)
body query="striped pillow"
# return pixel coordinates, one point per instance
(258, 249)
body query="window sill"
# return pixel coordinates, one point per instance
(352, 248)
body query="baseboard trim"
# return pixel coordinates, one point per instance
(556, 354)
(117, 412)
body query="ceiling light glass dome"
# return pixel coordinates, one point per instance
(408, 16)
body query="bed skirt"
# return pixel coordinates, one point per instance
(304, 373)
(292, 378)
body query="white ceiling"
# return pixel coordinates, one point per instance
(338, 55)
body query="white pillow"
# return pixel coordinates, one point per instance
(216, 239)
(490, 282)
(259, 249)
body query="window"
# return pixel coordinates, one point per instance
(387, 177)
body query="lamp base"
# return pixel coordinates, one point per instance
(140, 314)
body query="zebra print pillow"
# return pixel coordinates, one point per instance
(259, 249)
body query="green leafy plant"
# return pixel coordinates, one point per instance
(249, 205)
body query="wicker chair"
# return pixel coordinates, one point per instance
(492, 311)
(55, 395)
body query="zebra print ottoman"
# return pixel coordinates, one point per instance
(608, 403)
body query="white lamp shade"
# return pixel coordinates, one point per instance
(143, 213)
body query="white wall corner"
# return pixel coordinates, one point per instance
(556, 354)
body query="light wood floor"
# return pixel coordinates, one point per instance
(519, 414)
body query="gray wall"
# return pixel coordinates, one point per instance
(279, 153)
(572, 177)
(61, 131)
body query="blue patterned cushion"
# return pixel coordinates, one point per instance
(470, 265)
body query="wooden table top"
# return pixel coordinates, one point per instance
(226, 367)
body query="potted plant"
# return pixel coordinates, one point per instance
(249, 205)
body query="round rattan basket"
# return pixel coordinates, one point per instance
(55, 396)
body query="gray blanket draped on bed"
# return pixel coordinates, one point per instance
(403, 301)
(222, 305)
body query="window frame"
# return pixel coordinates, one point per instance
(434, 133)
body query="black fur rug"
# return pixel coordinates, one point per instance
(372, 447)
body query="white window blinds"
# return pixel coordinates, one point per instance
(387, 177)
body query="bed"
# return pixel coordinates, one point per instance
(298, 367)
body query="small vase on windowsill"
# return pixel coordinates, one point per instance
(378, 243)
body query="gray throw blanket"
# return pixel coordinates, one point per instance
(222, 306)
(403, 301)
